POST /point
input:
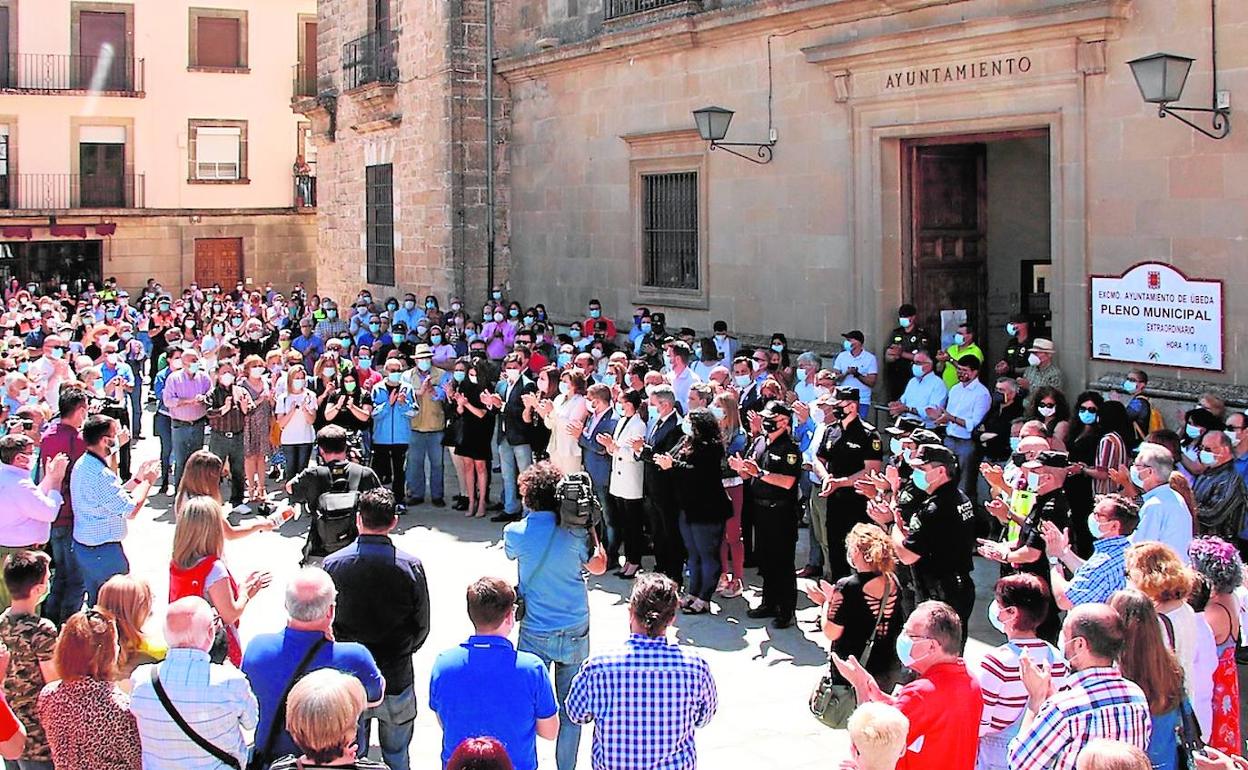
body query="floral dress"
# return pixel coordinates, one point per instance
(1225, 735)
(257, 423)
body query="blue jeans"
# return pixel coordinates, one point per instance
(99, 563)
(187, 439)
(566, 650)
(968, 472)
(513, 459)
(702, 544)
(396, 724)
(163, 427)
(136, 402)
(297, 458)
(422, 446)
(65, 596)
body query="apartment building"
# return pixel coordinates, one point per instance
(155, 138)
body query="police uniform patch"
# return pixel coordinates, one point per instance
(876, 446)
(791, 459)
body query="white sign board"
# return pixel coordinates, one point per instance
(1155, 315)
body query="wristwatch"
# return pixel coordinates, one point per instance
(1053, 561)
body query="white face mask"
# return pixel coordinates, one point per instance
(1047, 411)
(257, 371)
(227, 380)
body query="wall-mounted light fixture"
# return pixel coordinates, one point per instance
(712, 125)
(1161, 77)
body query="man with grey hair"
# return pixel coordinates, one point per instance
(662, 509)
(1219, 489)
(214, 700)
(274, 662)
(1164, 515)
(808, 365)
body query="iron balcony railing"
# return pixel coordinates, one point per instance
(305, 191)
(49, 72)
(616, 8)
(371, 59)
(71, 191)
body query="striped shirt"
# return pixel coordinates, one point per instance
(1095, 703)
(646, 700)
(215, 700)
(1102, 574)
(1005, 697)
(101, 504)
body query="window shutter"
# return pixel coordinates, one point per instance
(217, 153)
(217, 41)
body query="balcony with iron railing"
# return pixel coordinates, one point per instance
(617, 9)
(43, 73)
(305, 191)
(52, 192)
(372, 58)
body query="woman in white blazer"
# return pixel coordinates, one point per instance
(626, 472)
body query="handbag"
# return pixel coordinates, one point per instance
(522, 606)
(832, 702)
(218, 753)
(1187, 731)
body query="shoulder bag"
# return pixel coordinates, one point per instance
(218, 753)
(831, 702)
(260, 757)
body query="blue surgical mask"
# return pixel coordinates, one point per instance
(646, 327)
(374, 328)
(595, 314)
(528, 320)
(1128, 386)
(459, 376)
(574, 334)
(565, 388)
(920, 479)
(847, 344)
(1014, 442)
(1086, 417)
(1134, 472)
(619, 410)
(687, 426)
(801, 375)
(743, 380)
(430, 304)
(435, 339)
(608, 380)
(718, 412)
(1207, 457)
(905, 649)
(563, 359)
(1011, 329)
(395, 377)
(1094, 527)
(365, 363)
(778, 348)
(894, 446)
(905, 322)
(193, 367)
(424, 364)
(667, 360)
(917, 370)
(58, 352)
(497, 295)
(513, 313)
(959, 339)
(1192, 431)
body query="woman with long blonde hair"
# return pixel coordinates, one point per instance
(202, 478)
(1148, 662)
(196, 568)
(129, 600)
(731, 548)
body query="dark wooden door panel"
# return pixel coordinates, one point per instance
(103, 56)
(218, 261)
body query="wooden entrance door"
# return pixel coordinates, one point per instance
(948, 245)
(102, 51)
(307, 67)
(219, 261)
(102, 169)
(6, 66)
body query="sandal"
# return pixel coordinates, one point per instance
(697, 607)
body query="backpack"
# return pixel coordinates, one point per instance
(336, 508)
(190, 582)
(579, 507)
(1155, 421)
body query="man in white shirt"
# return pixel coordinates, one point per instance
(925, 391)
(29, 510)
(214, 700)
(857, 367)
(680, 376)
(964, 410)
(1164, 515)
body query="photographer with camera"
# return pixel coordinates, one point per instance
(551, 559)
(330, 491)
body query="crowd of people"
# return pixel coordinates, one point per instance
(705, 455)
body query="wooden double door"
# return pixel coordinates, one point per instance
(219, 261)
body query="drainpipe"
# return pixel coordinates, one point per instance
(489, 145)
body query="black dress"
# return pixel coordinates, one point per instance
(1078, 488)
(475, 432)
(856, 616)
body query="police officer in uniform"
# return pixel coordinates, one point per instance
(1017, 348)
(905, 340)
(850, 449)
(939, 538)
(771, 468)
(906, 435)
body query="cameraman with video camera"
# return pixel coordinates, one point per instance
(330, 490)
(552, 557)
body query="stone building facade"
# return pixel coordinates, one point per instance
(414, 102)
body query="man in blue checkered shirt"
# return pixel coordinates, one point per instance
(646, 699)
(1112, 521)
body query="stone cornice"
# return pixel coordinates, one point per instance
(1084, 20)
(772, 17)
(651, 138)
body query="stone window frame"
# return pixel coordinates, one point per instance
(643, 294)
(192, 126)
(193, 17)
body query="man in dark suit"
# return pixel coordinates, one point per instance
(662, 509)
(749, 399)
(514, 450)
(601, 419)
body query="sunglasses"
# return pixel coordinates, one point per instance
(1048, 403)
(1088, 409)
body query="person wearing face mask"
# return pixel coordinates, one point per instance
(1219, 489)
(308, 344)
(1112, 523)
(996, 443)
(661, 503)
(963, 345)
(625, 487)
(103, 505)
(226, 402)
(332, 325)
(939, 538)
(185, 394)
(749, 397)
(679, 375)
(967, 405)
(771, 468)
(1020, 605)
(29, 510)
(726, 345)
(944, 705)
(409, 314)
(441, 347)
(424, 445)
(1014, 361)
(1024, 548)
(849, 449)
(394, 406)
(600, 421)
(924, 395)
(499, 335)
(295, 408)
(1097, 701)
(903, 343)
(597, 319)
(856, 367)
(1041, 369)
(1164, 515)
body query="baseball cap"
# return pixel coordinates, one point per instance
(1049, 459)
(934, 453)
(854, 334)
(907, 423)
(845, 393)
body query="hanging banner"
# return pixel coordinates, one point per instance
(1154, 315)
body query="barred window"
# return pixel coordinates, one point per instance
(379, 223)
(669, 230)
